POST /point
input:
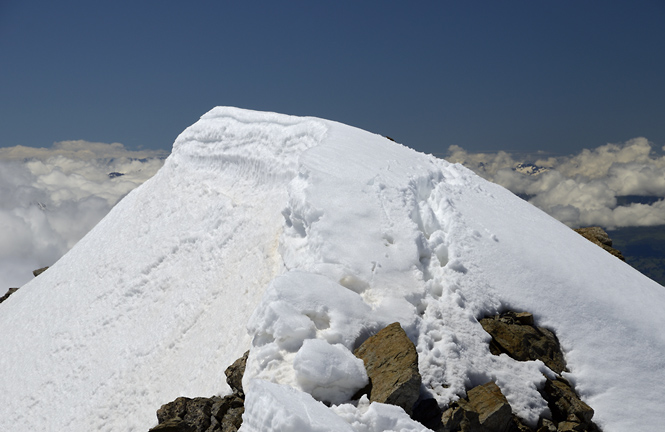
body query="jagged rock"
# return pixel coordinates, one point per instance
(524, 318)
(234, 374)
(571, 425)
(599, 236)
(546, 425)
(9, 292)
(213, 414)
(484, 410)
(39, 271)
(173, 425)
(456, 419)
(391, 362)
(518, 426)
(172, 410)
(494, 412)
(195, 413)
(228, 412)
(199, 413)
(564, 402)
(514, 334)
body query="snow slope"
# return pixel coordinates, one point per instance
(300, 237)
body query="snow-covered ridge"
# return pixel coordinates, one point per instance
(233, 139)
(300, 237)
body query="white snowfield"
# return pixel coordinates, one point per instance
(298, 238)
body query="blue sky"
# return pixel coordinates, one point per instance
(520, 76)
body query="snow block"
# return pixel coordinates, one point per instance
(281, 408)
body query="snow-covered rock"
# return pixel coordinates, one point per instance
(299, 238)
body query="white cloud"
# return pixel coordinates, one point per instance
(582, 189)
(51, 197)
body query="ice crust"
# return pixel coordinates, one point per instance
(299, 238)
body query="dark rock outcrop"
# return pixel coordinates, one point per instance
(39, 271)
(391, 362)
(599, 236)
(173, 425)
(234, 374)
(516, 335)
(546, 425)
(565, 405)
(185, 414)
(9, 292)
(484, 410)
(494, 412)
(213, 414)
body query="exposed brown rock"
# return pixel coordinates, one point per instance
(228, 413)
(546, 425)
(564, 402)
(185, 412)
(456, 418)
(572, 425)
(523, 318)
(234, 374)
(10, 291)
(484, 410)
(391, 362)
(514, 334)
(518, 426)
(599, 236)
(494, 412)
(213, 414)
(174, 425)
(172, 410)
(39, 271)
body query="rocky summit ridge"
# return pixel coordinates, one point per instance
(391, 362)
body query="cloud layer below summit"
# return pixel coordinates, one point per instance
(586, 188)
(51, 197)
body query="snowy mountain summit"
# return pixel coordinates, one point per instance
(298, 238)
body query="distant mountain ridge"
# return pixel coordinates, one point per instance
(530, 169)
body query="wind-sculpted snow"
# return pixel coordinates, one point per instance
(243, 146)
(300, 238)
(152, 304)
